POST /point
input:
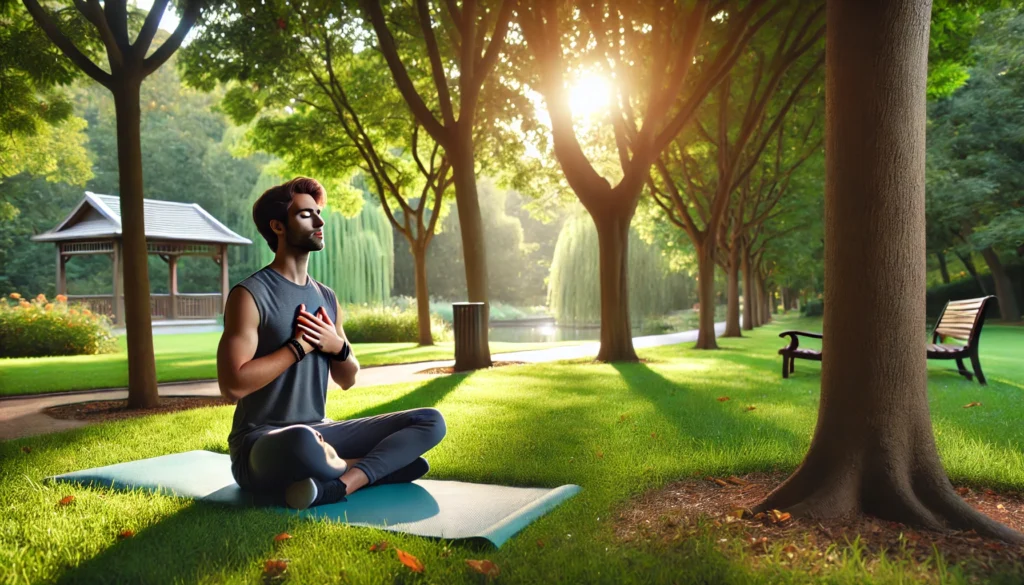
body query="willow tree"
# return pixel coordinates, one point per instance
(873, 449)
(649, 50)
(573, 286)
(460, 61)
(327, 107)
(129, 63)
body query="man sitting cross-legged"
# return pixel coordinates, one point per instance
(282, 338)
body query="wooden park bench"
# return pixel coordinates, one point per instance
(961, 320)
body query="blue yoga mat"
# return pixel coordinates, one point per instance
(441, 509)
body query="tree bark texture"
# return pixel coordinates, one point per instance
(1008, 309)
(471, 223)
(142, 386)
(749, 298)
(706, 295)
(613, 240)
(419, 255)
(873, 449)
(732, 313)
(764, 315)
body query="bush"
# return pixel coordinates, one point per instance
(41, 328)
(388, 325)
(813, 308)
(443, 309)
(967, 288)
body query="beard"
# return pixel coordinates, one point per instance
(305, 242)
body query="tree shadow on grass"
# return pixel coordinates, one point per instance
(426, 395)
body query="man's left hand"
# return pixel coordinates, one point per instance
(320, 331)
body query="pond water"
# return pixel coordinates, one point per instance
(543, 333)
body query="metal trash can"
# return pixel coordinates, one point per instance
(470, 325)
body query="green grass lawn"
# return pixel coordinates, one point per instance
(545, 425)
(192, 356)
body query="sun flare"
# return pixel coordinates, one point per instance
(588, 96)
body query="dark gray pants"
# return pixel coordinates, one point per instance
(385, 443)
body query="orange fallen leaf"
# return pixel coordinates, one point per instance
(738, 513)
(540, 543)
(26, 449)
(282, 536)
(66, 500)
(600, 454)
(749, 408)
(654, 435)
(972, 404)
(994, 546)
(410, 561)
(379, 547)
(126, 534)
(622, 418)
(736, 481)
(484, 567)
(275, 567)
(777, 516)
(963, 491)
(723, 398)
(719, 482)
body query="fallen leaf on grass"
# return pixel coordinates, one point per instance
(723, 398)
(718, 481)
(654, 435)
(737, 481)
(749, 408)
(778, 517)
(484, 567)
(600, 454)
(540, 543)
(282, 536)
(738, 513)
(1000, 507)
(410, 561)
(126, 534)
(379, 547)
(275, 567)
(972, 404)
(963, 491)
(26, 449)
(66, 500)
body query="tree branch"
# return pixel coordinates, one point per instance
(164, 51)
(65, 45)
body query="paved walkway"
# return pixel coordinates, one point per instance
(23, 416)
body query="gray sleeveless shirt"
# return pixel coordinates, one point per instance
(298, 395)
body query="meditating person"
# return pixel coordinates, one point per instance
(282, 338)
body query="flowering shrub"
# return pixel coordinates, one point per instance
(41, 327)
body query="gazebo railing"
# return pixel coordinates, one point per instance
(190, 306)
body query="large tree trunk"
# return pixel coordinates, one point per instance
(706, 295)
(613, 242)
(142, 388)
(785, 300)
(1008, 309)
(419, 256)
(969, 265)
(873, 449)
(749, 298)
(943, 269)
(471, 225)
(764, 314)
(732, 313)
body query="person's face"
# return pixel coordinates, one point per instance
(304, 230)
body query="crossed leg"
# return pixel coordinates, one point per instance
(360, 452)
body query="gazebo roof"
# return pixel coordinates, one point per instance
(99, 217)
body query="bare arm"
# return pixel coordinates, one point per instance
(344, 373)
(238, 374)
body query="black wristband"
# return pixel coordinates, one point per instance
(296, 349)
(344, 353)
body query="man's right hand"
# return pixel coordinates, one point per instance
(299, 333)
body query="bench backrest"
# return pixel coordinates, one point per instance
(962, 320)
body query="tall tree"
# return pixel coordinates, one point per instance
(128, 66)
(873, 449)
(460, 62)
(700, 180)
(327, 107)
(654, 53)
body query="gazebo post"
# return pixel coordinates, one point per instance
(118, 285)
(62, 278)
(172, 263)
(223, 277)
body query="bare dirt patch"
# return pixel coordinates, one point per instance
(108, 410)
(683, 509)
(451, 369)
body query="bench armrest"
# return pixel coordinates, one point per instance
(794, 340)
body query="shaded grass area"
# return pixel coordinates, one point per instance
(617, 430)
(192, 356)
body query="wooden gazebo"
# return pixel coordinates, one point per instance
(172, 230)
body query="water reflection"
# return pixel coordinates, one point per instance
(544, 333)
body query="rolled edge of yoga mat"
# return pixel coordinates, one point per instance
(499, 533)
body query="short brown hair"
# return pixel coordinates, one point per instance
(274, 202)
